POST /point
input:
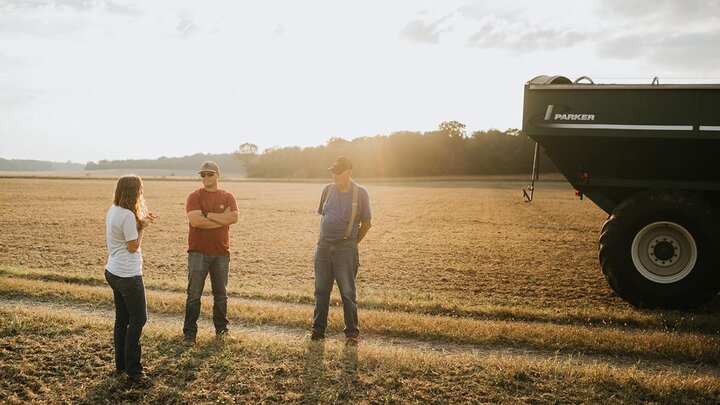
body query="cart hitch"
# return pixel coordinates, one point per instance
(530, 190)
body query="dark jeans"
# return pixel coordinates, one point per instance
(130, 317)
(199, 265)
(336, 261)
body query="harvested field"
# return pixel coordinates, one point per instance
(470, 243)
(467, 293)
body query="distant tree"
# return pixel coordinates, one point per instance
(226, 161)
(246, 154)
(337, 142)
(453, 129)
(247, 148)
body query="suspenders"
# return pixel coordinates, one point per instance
(326, 196)
(354, 210)
(353, 213)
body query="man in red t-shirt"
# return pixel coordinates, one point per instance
(210, 212)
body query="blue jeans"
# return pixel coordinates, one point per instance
(337, 261)
(130, 317)
(199, 265)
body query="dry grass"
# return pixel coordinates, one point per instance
(458, 274)
(517, 334)
(677, 321)
(268, 367)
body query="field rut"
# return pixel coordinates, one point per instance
(654, 366)
(579, 357)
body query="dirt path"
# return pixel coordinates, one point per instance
(297, 334)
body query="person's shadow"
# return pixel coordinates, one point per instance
(350, 364)
(314, 372)
(184, 367)
(114, 389)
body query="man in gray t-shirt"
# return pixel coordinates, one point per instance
(346, 218)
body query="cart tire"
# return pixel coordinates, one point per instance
(661, 249)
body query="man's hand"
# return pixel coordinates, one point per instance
(212, 220)
(226, 218)
(197, 220)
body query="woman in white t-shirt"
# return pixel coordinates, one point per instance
(125, 222)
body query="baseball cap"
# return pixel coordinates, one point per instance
(209, 166)
(340, 165)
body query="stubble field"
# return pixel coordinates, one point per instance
(466, 294)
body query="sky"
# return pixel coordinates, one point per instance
(87, 80)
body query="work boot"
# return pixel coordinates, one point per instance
(224, 335)
(316, 336)
(116, 373)
(140, 379)
(188, 341)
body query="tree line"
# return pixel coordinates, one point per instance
(448, 151)
(23, 165)
(228, 163)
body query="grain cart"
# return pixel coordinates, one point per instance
(649, 156)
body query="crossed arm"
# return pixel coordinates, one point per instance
(213, 220)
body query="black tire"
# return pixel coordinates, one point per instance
(661, 249)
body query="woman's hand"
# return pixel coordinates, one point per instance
(151, 218)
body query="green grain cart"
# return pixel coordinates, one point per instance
(649, 156)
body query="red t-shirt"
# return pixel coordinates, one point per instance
(212, 242)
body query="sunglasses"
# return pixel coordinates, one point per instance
(206, 174)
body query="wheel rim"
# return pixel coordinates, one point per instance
(664, 252)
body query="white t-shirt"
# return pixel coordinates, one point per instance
(121, 227)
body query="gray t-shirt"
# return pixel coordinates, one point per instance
(338, 210)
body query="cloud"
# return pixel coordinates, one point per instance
(481, 9)
(119, 7)
(519, 37)
(687, 12)
(687, 51)
(523, 26)
(425, 32)
(122, 9)
(14, 95)
(186, 27)
(16, 100)
(52, 18)
(662, 33)
(665, 34)
(38, 26)
(14, 61)
(77, 5)
(7, 4)
(279, 31)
